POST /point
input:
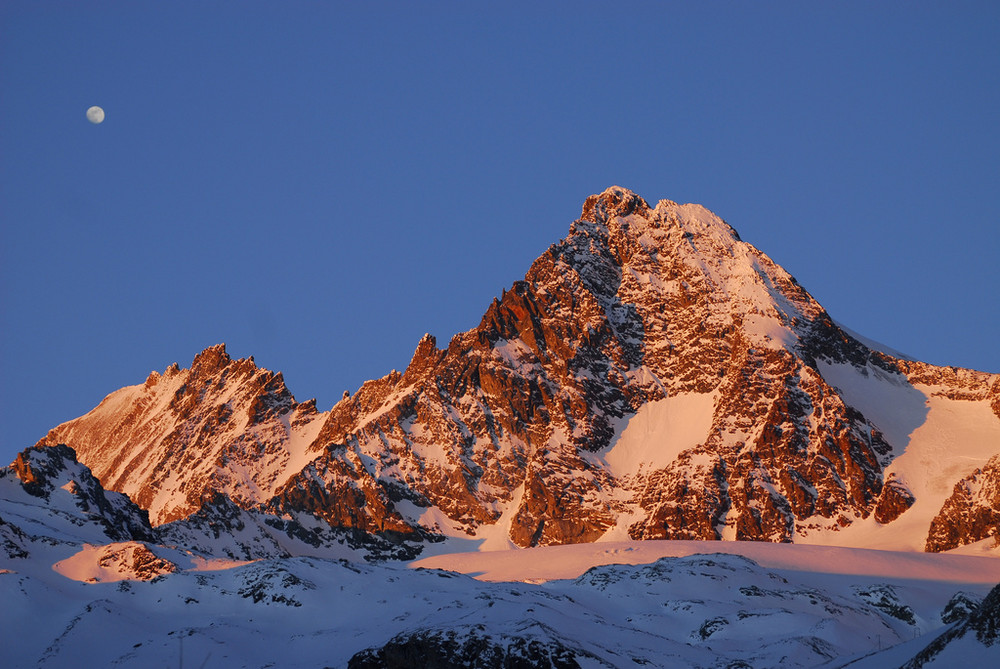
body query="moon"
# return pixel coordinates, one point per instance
(95, 115)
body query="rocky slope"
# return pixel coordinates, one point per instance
(972, 639)
(971, 513)
(653, 376)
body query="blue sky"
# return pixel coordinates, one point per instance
(318, 184)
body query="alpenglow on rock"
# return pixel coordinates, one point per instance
(652, 376)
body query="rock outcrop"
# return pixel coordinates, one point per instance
(55, 477)
(471, 648)
(972, 513)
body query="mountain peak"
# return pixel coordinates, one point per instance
(211, 360)
(36, 466)
(49, 472)
(614, 201)
(226, 422)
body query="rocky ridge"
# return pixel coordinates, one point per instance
(222, 425)
(516, 431)
(48, 498)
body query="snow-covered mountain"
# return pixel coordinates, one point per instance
(653, 376)
(46, 491)
(73, 596)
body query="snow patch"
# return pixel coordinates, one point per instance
(513, 353)
(888, 400)
(658, 432)
(199, 563)
(769, 332)
(496, 537)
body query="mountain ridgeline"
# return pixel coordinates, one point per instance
(652, 376)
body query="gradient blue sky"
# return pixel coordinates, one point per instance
(318, 184)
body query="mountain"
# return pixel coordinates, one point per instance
(971, 637)
(219, 426)
(53, 509)
(977, 633)
(652, 376)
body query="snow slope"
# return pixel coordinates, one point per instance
(548, 563)
(936, 441)
(795, 606)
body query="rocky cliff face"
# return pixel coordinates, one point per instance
(972, 513)
(471, 647)
(652, 376)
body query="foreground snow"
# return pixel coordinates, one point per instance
(656, 603)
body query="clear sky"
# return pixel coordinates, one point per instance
(317, 184)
